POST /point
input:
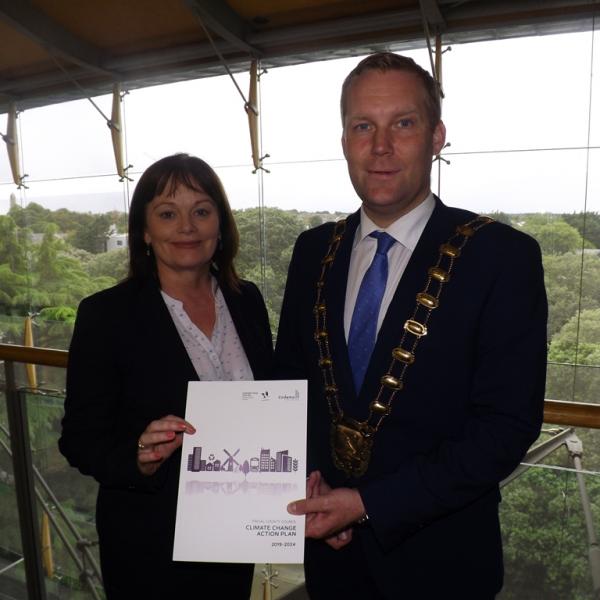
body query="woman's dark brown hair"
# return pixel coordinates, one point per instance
(165, 175)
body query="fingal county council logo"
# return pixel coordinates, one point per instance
(294, 396)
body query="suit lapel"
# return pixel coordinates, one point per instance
(436, 232)
(335, 295)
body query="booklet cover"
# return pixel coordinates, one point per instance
(244, 464)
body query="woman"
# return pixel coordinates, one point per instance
(181, 314)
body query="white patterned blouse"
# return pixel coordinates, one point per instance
(220, 358)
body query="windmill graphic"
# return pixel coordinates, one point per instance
(228, 464)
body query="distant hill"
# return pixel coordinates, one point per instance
(98, 202)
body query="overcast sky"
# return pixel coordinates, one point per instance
(523, 94)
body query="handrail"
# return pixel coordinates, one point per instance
(35, 356)
(556, 412)
(573, 414)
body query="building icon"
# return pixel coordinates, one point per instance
(281, 461)
(265, 460)
(196, 457)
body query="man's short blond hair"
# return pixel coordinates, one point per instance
(388, 61)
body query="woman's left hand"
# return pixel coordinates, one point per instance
(159, 440)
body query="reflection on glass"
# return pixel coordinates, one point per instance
(10, 544)
(546, 539)
(75, 495)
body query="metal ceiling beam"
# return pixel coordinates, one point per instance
(395, 30)
(321, 31)
(220, 18)
(38, 27)
(431, 12)
(530, 9)
(322, 34)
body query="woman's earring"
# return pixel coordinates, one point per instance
(147, 249)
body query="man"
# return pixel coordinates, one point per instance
(424, 348)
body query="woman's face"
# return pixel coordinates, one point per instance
(183, 230)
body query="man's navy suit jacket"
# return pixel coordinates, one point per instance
(471, 406)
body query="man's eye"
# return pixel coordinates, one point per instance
(404, 123)
(362, 127)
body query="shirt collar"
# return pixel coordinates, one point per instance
(407, 229)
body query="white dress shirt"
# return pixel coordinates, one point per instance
(220, 358)
(406, 231)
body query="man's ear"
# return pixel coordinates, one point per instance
(439, 138)
(344, 144)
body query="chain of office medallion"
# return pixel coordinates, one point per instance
(414, 328)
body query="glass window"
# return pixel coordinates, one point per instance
(205, 117)
(520, 93)
(67, 140)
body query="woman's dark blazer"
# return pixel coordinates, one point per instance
(128, 367)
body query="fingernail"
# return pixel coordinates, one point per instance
(291, 508)
(343, 536)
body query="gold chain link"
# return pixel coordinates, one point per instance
(414, 328)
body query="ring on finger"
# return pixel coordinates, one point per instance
(140, 445)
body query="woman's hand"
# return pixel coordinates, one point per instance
(159, 440)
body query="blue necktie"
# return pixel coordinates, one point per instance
(363, 328)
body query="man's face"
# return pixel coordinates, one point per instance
(388, 143)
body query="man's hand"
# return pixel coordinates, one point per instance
(328, 511)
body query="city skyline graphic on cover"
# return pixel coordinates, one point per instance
(239, 471)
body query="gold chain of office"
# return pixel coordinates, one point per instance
(352, 440)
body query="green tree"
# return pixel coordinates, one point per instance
(554, 235)
(61, 279)
(119, 220)
(47, 265)
(576, 347)
(91, 232)
(64, 314)
(501, 217)
(315, 221)
(13, 245)
(572, 282)
(11, 285)
(588, 225)
(282, 228)
(112, 264)
(33, 216)
(54, 330)
(544, 536)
